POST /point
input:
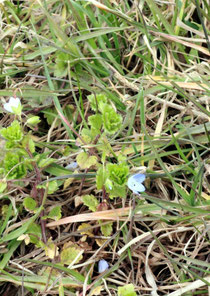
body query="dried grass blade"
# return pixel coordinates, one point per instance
(188, 44)
(190, 287)
(116, 214)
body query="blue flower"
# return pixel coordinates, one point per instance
(102, 265)
(72, 166)
(135, 183)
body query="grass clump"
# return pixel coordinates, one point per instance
(101, 92)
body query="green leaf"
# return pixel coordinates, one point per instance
(101, 178)
(55, 213)
(86, 136)
(108, 184)
(117, 179)
(34, 120)
(12, 133)
(69, 254)
(111, 120)
(127, 290)
(85, 161)
(114, 178)
(31, 145)
(118, 173)
(50, 114)
(10, 145)
(17, 110)
(105, 148)
(95, 121)
(35, 234)
(61, 66)
(28, 143)
(86, 229)
(29, 204)
(13, 166)
(97, 100)
(52, 186)
(106, 229)
(117, 191)
(91, 202)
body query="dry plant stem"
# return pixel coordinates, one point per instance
(104, 193)
(81, 184)
(38, 194)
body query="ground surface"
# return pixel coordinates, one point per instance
(106, 91)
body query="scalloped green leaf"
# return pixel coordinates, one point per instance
(112, 121)
(12, 133)
(85, 161)
(95, 121)
(55, 213)
(127, 290)
(107, 229)
(96, 100)
(14, 166)
(52, 186)
(69, 254)
(118, 173)
(117, 191)
(90, 201)
(29, 204)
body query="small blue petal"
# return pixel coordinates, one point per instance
(73, 165)
(139, 178)
(134, 183)
(102, 265)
